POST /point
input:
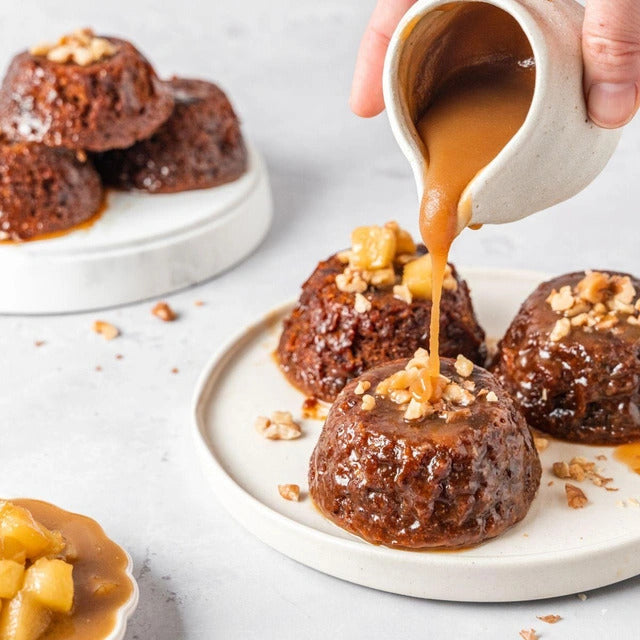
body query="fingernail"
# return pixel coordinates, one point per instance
(612, 105)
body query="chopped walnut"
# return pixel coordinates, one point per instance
(416, 410)
(576, 498)
(455, 394)
(561, 330)
(361, 387)
(361, 304)
(529, 634)
(106, 330)
(382, 278)
(492, 397)
(561, 300)
(280, 426)
(580, 469)
(402, 292)
(289, 492)
(550, 619)
(419, 395)
(541, 444)
(163, 311)
(561, 470)
(592, 287)
(368, 402)
(597, 302)
(351, 281)
(82, 47)
(463, 366)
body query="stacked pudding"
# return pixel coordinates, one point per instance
(90, 101)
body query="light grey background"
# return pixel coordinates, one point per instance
(115, 444)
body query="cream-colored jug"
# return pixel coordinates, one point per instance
(556, 152)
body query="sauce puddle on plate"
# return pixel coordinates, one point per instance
(629, 454)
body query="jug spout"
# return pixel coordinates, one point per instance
(555, 153)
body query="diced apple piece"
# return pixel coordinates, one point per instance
(372, 247)
(404, 242)
(11, 549)
(18, 528)
(51, 583)
(417, 276)
(23, 618)
(11, 574)
(56, 545)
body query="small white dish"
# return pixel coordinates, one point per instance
(143, 246)
(127, 610)
(554, 551)
(556, 153)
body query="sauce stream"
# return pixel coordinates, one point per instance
(470, 120)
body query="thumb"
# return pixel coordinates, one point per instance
(611, 51)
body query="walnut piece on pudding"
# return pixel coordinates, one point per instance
(597, 302)
(419, 396)
(81, 47)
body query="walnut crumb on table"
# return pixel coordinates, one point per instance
(106, 330)
(529, 634)
(163, 311)
(550, 619)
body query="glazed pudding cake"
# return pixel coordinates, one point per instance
(198, 147)
(60, 576)
(369, 305)
(571, 357)
(406, 461)
(44, 190)
(84, 92)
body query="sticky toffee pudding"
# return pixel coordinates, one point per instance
(401, 463)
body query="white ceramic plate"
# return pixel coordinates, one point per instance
(554, 551)
(143, 246)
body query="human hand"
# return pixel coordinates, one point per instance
(611, 52)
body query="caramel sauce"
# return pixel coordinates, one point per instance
(629, 454)
(99, 562)
(81, 226)
(467, 122)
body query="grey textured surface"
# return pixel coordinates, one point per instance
(115, 443)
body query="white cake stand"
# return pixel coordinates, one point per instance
(143, 246)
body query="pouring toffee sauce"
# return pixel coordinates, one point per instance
(468, 122)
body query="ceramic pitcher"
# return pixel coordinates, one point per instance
(557, 151)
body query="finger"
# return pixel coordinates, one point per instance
(366, 91)
(611, 51)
